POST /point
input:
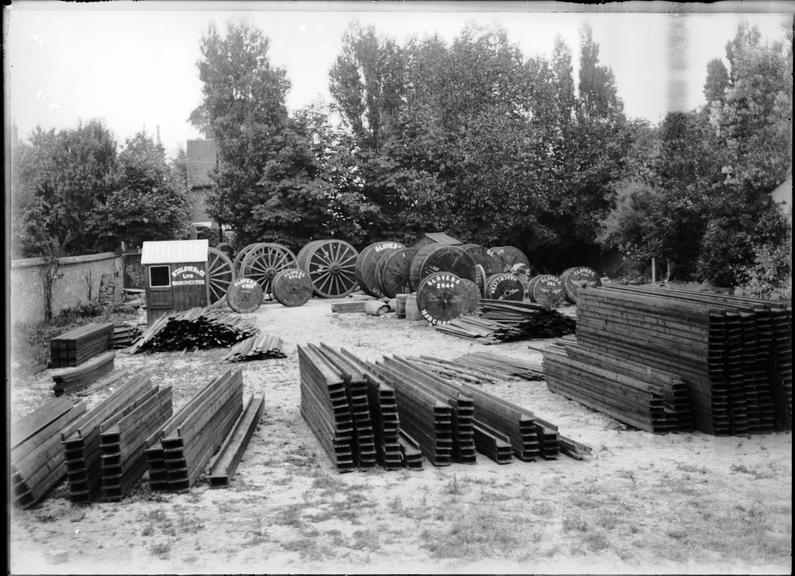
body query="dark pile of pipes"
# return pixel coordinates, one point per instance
(506, 321)
(732, 355)
(77, 346)
(68, 380)
(37, 457)
(92, 446)
(412, 409)
(195, 329)
(258, 347)
(177, 452)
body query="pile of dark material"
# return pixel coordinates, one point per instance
(177, 452)
(78, 345)
(195, 329)
(506, 321)
(413, 410)
(86, 461)
(257, 347)
(37, 457)
(76, 378)
(733, 354)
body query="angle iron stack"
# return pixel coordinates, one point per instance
(78, 345)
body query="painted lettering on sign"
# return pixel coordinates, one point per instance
(387, 246)
(188, 282)
(187, 271)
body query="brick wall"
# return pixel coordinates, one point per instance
(71, 289)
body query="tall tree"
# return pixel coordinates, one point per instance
(717, 81)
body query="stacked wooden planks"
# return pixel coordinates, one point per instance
(81, 440)
(195, 329)
(351, 305)
(123, 462)
(37, 457)
(734, 353)
(258, 347)
(78, 345)
(225, 463)
(68, 380)
(177, 452)
(125, 334)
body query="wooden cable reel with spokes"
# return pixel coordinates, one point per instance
(331, 265)
(264, 260)
(220, 274)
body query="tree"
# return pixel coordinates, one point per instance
(717, 81)
(243, 111)
(149, 203)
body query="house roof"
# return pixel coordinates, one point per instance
(174, 251)
(200, 158)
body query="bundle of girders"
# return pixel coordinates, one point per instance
(177, 452)
(505, 321)
(258, 347)
(72, 379)
(733, 353)
(78, 345)
(195, 329)
(82, 441)
(125, 334)
(37, 457)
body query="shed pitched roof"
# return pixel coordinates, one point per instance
(200, 158)
(174, 251)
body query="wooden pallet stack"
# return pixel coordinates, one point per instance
(177, 453)
(37, 457)
(225, 463)
(69, 380)
(123, 462)
(81, 440)
(79, 345)
(261, 346)
(195, 329)
(733, 352)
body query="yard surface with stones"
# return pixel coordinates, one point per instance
(642, 503)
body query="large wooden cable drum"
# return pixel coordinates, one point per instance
(504, 286)
(480, 254)
(263, 260)
(512, 258)
(220, 274)
(241, 255)
(474, 294)
(547, 290)
(244, 295)
(292, 287)
(441, 258)
(578, 277)
(366, 263)
(331, 265)
(393, 271)
(441, 297)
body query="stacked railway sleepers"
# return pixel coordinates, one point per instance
(125, 334)
(734, 353)
(78, 345)
(81, 440)
(177, 452)
(258, 347)
(195, 329)
(37, 457)
(121, 443)
(68, 380)
(224, 464)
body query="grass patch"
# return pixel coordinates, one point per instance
(478, 535)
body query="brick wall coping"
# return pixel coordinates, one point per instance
(30, 262)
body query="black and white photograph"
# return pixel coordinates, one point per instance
(398, 287)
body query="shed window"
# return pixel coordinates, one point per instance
(160, 276)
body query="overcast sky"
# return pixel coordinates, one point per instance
(134, 65)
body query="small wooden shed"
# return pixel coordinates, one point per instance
(175, 276)
(435, 238)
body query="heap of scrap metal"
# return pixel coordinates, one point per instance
(79, 345)
(733, 353)
(178, 451)
(505, 321)
(68, 380)
(37, 458)
(81, 440)
(195, 329)
(258, 347)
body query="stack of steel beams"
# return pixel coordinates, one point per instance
(258, 347)
(68, 380)
(78, 345)
(225, 463)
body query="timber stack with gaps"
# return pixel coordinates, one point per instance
(733, 354)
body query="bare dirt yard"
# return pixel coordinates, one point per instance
(642, 503)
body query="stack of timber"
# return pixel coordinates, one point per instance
(734, 353)
(81, 440)
(125, 334)
(225, 463)
(122, 442)
(502, 321)
(259, 347)
(177, 453)
(77, 346)
(501, 366)
(195, 329)
(37, 457)
(69, 380)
